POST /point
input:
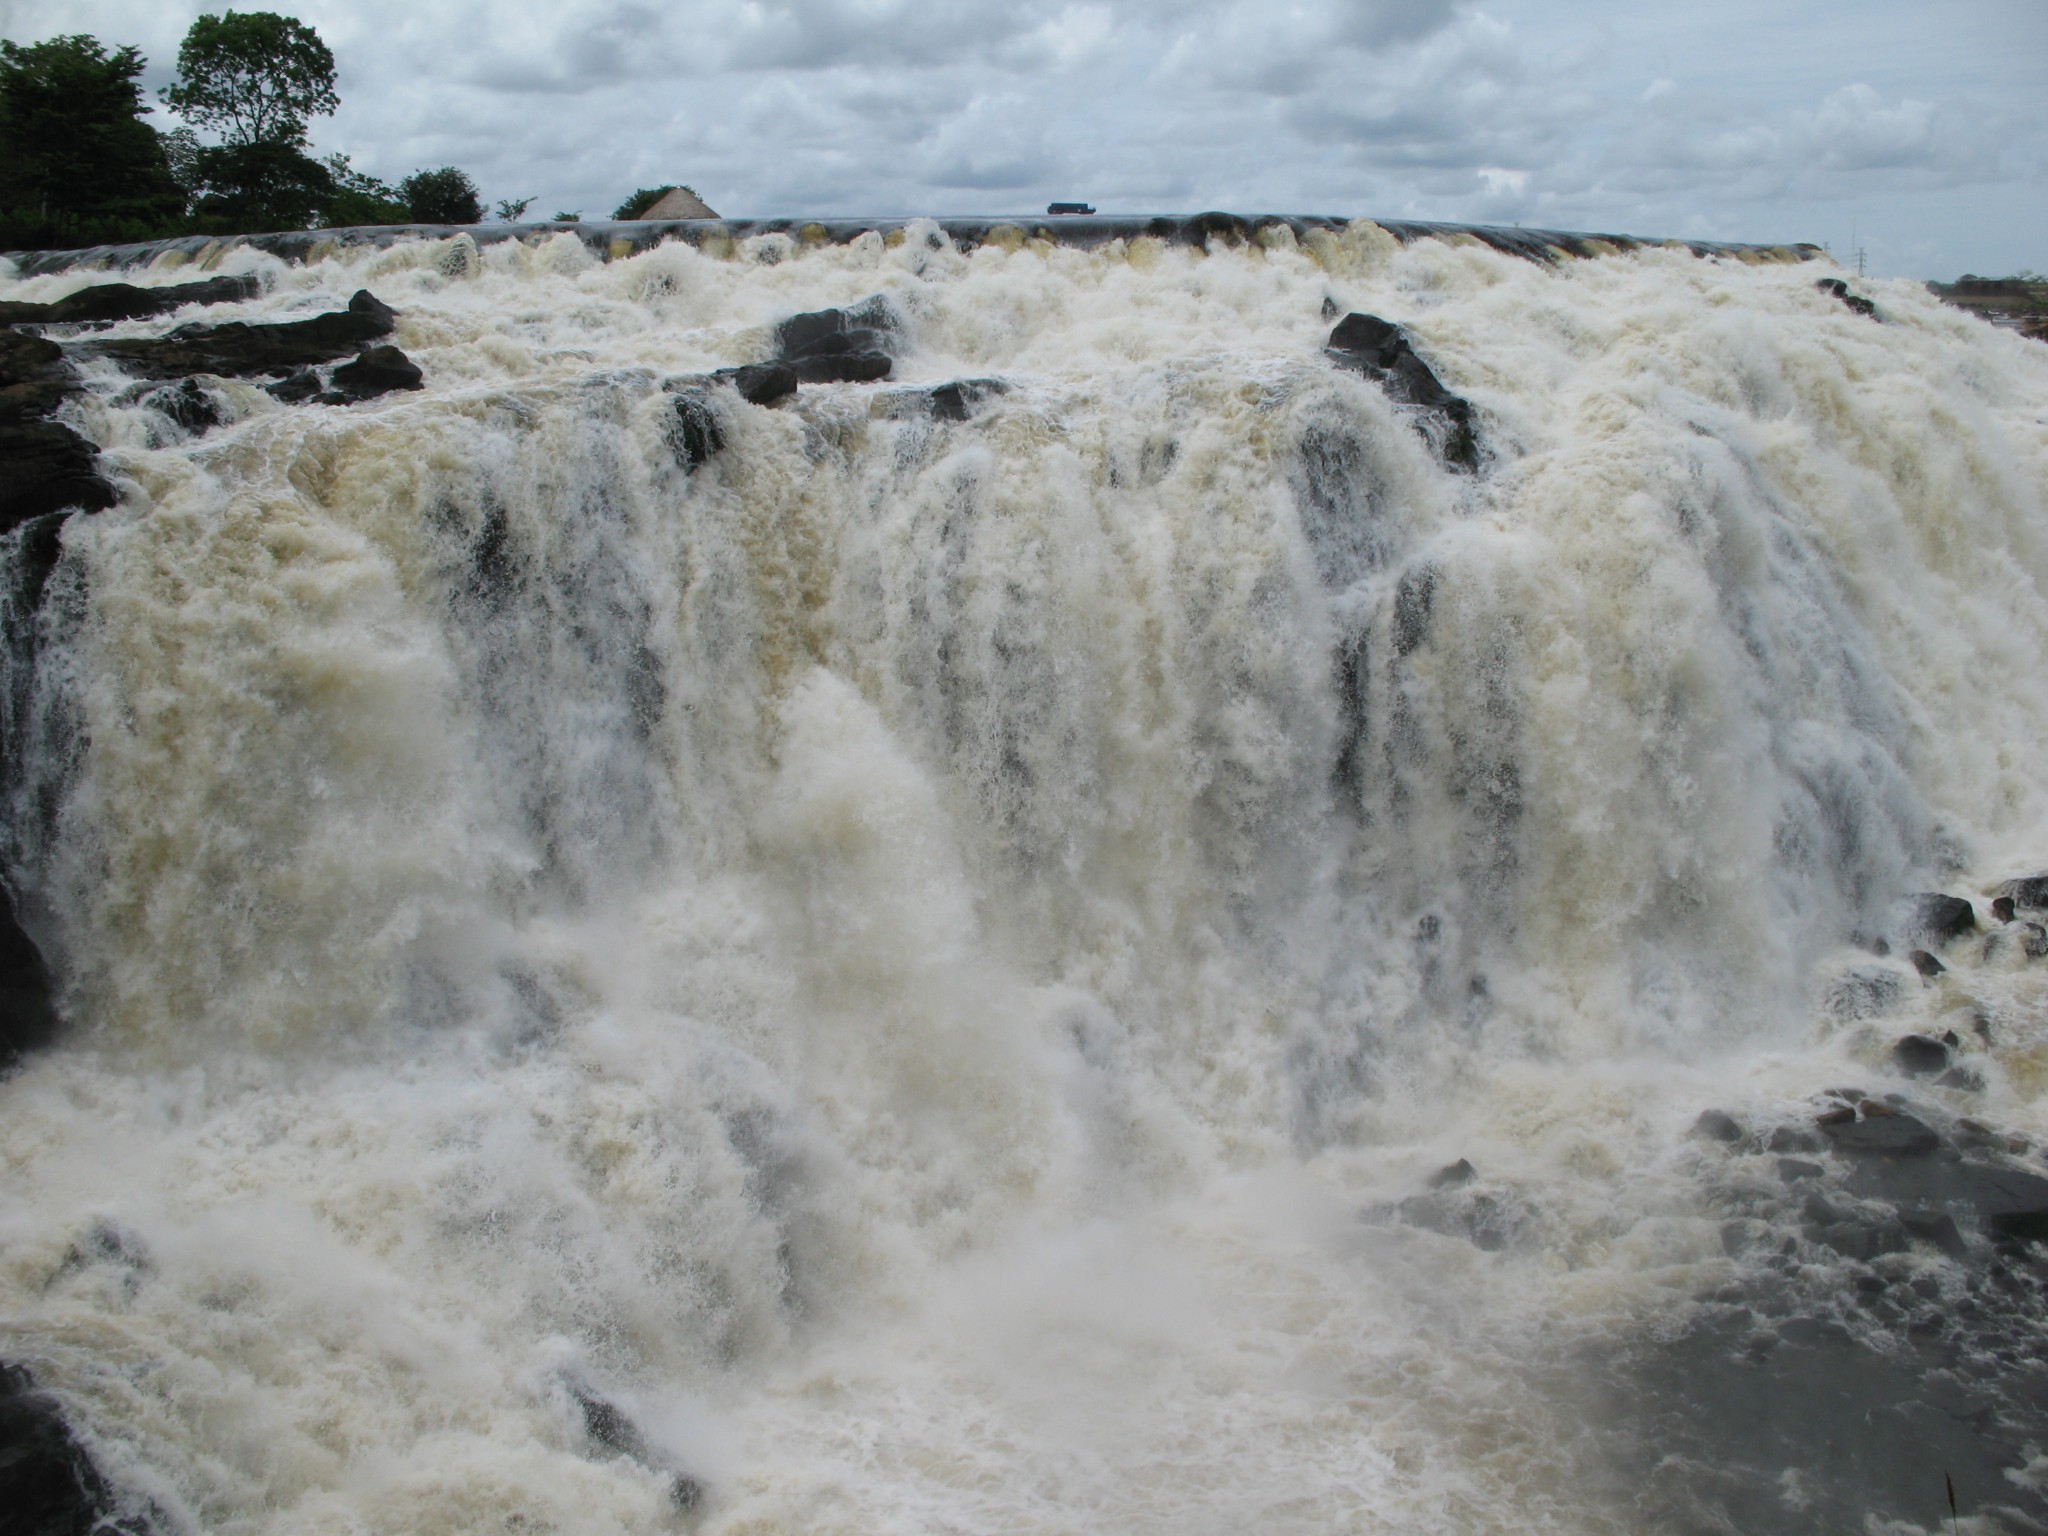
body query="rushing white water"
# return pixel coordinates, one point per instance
(913, 959)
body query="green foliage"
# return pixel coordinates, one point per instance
(78, 165)
(260, 187)
(511, 210)
(445, 196)
(642, 200)
(253, 77)
(360, 198)
(569, 218)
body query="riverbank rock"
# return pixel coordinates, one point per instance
(104, 303)
(1932, 918)
(1382, 351)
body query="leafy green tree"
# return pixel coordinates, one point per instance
(260, 187)
(510, 209)
(445, 196)
(253, 78)
(78, 164)
(360, 198)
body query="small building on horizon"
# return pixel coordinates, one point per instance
(678, 203)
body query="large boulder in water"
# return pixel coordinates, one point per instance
(375, 371)
(839, 346)
(1382, 351)
(239, 349)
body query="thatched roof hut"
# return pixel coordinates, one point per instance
(678, 203)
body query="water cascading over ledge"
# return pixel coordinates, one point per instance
(1092, 887)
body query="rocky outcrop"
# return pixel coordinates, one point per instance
(44, 465)
(840, 346)
(239, 349)
(1932, 918)
(48, 1484)
(1383, 352)
(104, 303)
(1834, 287)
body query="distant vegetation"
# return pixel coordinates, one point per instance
(81, 165)
(2019, 301)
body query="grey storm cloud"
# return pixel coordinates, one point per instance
(1748, 119)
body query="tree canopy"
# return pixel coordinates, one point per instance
(253, 77)
(77, 161)
(445, 196)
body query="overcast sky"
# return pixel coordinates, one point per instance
(1914, 127)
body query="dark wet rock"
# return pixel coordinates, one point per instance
(1789, 1138)
(1919, 1056)
(47, 467)
(1718, 1125)
(607, 1424)
(1454, 1176)
(44, 465)
(1383, 352)
(1868, 992)
(296, 387)
(2027, 891)
(842, 367)
(1877, 1131)
(1836, 288)
(28, 1012)
(872, 325)
(2002, 908)
(1936, 1227)
(1934, 919)
(239, 349)
(106, 302)
(48, 1484)
(374, 371)
(2033, 940)
(1794, 1169)
(1927, 965)
(1487, 1219)
(188, 403)
(957, 401)
(760, 383)
(696, 433)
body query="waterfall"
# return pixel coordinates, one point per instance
(903, 958)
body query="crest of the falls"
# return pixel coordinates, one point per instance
(902, 958)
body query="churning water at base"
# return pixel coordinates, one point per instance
(925, 966)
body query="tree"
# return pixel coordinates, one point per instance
(77, 161)
(253, 78)
(360, 198)
(445, 196)
(256, 188)
(511, 209)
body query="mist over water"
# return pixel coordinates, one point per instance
(921, 958)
